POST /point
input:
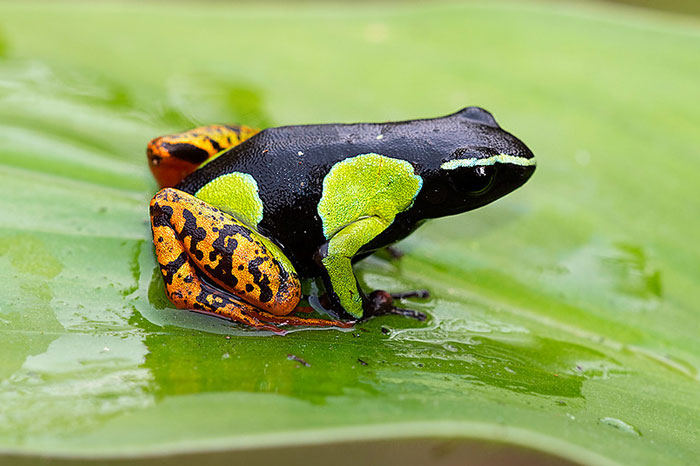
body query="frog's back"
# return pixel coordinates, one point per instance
(296, 158)
(288, 165)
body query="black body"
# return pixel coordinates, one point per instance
(289, 164)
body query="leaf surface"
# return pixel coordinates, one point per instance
(564, 317)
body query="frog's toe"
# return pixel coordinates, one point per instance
(420, 294)
(381, 303)
(413, 314)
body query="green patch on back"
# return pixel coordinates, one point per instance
(237, 194)
(361, 197)
(366, 185)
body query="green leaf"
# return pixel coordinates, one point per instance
(563, 319)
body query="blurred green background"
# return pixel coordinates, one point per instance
(564, 317)
(689, 7)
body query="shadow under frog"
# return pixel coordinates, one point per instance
(364, 362)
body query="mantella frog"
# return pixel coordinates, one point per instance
(244, 214)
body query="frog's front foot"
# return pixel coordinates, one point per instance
(394, 252)
(380, 303)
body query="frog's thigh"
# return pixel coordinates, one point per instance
(233, 256)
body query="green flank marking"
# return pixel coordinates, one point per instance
(237, 194)
(361, 197)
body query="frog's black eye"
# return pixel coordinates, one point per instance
(482, 180)
(472, 181)
(479, 115)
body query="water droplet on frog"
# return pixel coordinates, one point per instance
(620, 425)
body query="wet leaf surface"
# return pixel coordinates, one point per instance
(563, 318)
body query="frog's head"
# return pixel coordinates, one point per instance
(480, 164)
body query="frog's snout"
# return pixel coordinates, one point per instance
(522, 173)
(515, 170)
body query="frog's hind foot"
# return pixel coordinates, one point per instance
(294, 321)
(261, 320)
(382, 303)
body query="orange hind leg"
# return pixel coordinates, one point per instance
(244, 280)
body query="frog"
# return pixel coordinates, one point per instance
(244, 216)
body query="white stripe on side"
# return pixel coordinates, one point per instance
(494, 159)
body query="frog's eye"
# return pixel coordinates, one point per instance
(482, 180)
(473, 181)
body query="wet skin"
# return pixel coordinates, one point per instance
(253, 212)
